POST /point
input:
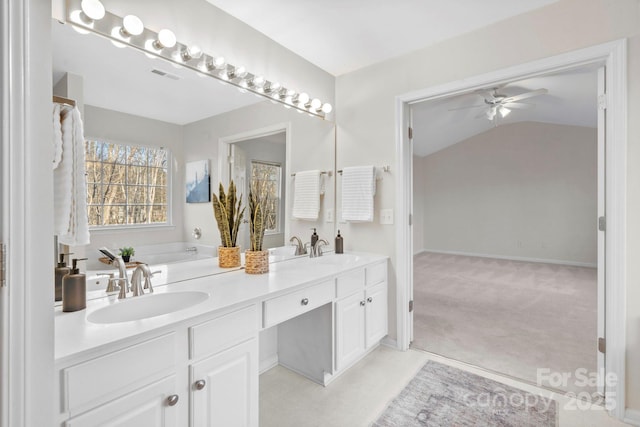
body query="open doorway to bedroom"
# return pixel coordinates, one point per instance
(508, 185)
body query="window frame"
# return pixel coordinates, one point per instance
(169, 188)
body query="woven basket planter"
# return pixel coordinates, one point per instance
(256, 262)
(229, 257)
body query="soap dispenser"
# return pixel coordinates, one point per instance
(60, 271)
(74, 289)
(339, 244)
(314, 238)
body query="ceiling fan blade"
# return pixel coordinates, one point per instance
(467, 107)
(519, 105)
(525, 95)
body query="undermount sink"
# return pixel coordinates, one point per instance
(146, 306)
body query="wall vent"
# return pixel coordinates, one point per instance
(165, 74)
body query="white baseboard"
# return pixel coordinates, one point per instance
(632, 416)
(388, 342)
(515, 258)
(268, 363)
(421, 251)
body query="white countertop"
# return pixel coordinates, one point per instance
(74, 334)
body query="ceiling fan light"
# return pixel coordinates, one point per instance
(504, 111)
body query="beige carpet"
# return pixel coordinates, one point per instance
(511, 317)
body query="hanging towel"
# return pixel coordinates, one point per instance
(57, 136)
(358, 189)
(306, 195)
(71, 222)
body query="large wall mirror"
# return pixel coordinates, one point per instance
(148, 119)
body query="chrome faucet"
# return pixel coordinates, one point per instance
(316, 250)
(319, 244)
(300, 248)
(141, 271)
(123, 280)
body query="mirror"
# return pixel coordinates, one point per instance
(128, 99)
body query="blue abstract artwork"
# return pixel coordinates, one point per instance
(198, 181)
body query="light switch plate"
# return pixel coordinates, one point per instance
(328, 216)
(386, 216)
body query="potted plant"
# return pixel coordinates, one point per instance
(126, 253)
(257, 260)
(228, 211)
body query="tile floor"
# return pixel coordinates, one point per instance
(357, 397)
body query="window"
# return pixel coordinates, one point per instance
(126, 184)
(266, 177)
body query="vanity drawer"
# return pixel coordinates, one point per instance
(376, 273)
(350, 283)
(282, 308)
(223, 332)
(96, 381)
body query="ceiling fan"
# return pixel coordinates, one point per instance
(498, 104)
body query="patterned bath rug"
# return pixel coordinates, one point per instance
(443, 396)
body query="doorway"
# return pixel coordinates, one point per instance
(258, 158)
(612, 56)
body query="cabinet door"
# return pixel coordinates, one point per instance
(229, 395)
(376, 313)
(147, 407)
(350, 339)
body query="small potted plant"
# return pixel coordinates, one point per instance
(228, 211)
(126, 253)
(257, 260)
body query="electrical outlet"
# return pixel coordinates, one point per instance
(386, 216)
(328, 216)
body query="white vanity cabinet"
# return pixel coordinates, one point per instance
(361, 313)
(202, 374)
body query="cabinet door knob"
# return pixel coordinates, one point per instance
(362, 303)
(200, 384)
(304, 301)
(173, 400)
(369, 299)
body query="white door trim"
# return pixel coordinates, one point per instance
(223, 165)
(26, 303)
(613, 55)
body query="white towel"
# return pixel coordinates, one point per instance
(358, 189)
(57, 136)
(306, 195)
(71, 222)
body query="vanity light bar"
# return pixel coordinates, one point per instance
(90, 15)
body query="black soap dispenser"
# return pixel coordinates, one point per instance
(60, 271)
(74, 289)
(314, 238)
(339, 244)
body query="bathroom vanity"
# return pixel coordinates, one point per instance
(198, 363)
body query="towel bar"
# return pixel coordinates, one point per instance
(329, 173)
(386, 168)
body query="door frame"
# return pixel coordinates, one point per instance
(613, 55)
(223, 164)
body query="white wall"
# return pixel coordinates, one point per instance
(118, 127)
(365, 115)
(523, 190)
(312, 147)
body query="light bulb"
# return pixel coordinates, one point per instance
(131, 26)
(327, 108)
(288, 100)
(316, 103)
(92, 9)
(504, 112)
(219, 62)
(258, 81)
(303, 98)
(272, 87)
(166, 39)
(239, 72)
(194, 51)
